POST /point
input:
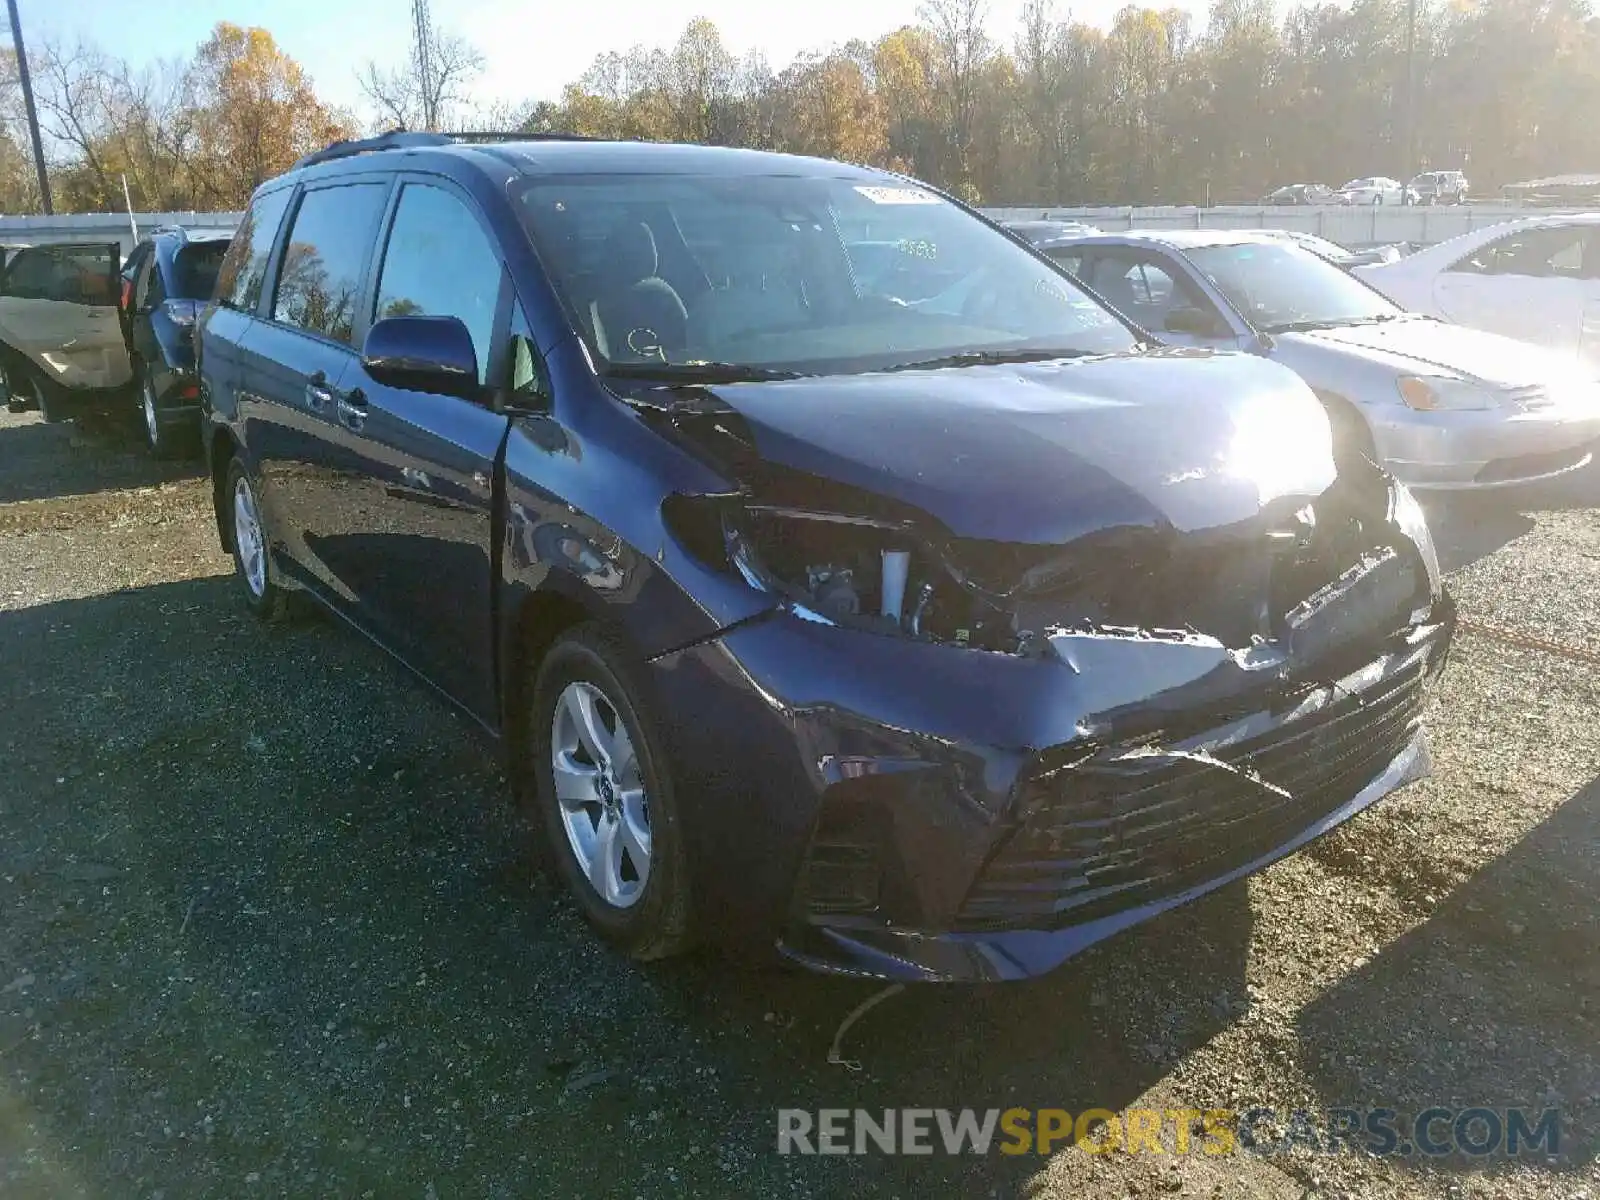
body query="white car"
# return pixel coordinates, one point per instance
(1537, 280)
(1375, 189)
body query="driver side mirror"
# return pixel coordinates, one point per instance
(1194, 322)
(423, 354)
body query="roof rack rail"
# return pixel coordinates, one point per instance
(471, 137)
(395, 139)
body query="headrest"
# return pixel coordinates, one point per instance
(631, 251)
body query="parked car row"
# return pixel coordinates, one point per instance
(79, 327)
(1428, 187)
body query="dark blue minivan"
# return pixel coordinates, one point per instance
(838, 574)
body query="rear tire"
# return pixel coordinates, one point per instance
(164, 441)
(612, 822)
(16, 402)
(49, 398)
(252, 556)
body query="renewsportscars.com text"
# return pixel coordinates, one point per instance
(1216, 1131)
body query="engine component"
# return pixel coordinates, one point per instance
(896, 566)
(834, 591)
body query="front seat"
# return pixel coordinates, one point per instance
(634, 310)
(1115, 285)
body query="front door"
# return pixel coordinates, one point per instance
(58, 306)
(292, 363)
(417, 469)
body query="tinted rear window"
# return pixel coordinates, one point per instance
(195, 268)
(244, 270)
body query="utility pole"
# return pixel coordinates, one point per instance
(33, 114)
(422, 49)
(1411, 93)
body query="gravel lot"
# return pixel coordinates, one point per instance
(268, 927)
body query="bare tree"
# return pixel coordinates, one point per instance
(431, 87)
(963, 49)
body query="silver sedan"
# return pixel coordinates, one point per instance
(1441, 406)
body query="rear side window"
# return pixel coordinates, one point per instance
(70, 274)
(1555, 251)
(440, 263)
(321, 275)
(195, 268)
(244, 270)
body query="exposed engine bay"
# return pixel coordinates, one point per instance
(1265, 577)
(1306, 581)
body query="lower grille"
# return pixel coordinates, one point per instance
(1109, 835)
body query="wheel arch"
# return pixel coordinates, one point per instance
(1345, 415)
(221, 448)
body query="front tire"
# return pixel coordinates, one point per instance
(604, 796)
(252, 559)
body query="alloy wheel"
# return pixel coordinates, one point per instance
(599, 789)
(152, 424)
(248, 537)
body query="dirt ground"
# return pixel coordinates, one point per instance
(268, 927)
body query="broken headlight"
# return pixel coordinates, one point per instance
(861, 572)
(848, 570)
(1407, 516)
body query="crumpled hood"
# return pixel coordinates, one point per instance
(1044, 453)
(1421, 345)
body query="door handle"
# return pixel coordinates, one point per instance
(318, 396)
(353, 407)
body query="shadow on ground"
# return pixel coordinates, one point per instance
(1469, 993)
(98, 452)
(271, 919)
(1468, 526)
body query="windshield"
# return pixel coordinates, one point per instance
(195, 270)
(1276, 285)
(795, 273)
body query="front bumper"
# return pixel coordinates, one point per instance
(932, 813)
(1489, 449)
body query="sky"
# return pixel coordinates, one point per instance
(531, 50)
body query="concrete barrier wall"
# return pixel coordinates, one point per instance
(1351, 226)
(104, 227)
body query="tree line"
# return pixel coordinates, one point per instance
(1151, 110)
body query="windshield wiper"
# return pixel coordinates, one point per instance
(985, 358)
(699, 372)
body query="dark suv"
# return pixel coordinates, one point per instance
(167, 279)
(928, 622)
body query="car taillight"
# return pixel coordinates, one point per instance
(127, 293)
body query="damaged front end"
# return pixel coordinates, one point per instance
(1077, 735)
